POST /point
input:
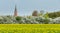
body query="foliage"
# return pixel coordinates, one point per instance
(29, 20)
(18, 18)
(46, 21)
(46, 15)
(54, 14)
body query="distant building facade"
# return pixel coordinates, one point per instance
(35, 13)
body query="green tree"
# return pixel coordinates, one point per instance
(46, 15)
(46, 21)
(18, 18)
(54, 14)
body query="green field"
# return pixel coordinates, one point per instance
(29, 28)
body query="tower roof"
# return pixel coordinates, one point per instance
(15, 8)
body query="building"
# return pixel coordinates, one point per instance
(15, 11)
(35, 13)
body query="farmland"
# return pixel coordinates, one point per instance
(29, 28)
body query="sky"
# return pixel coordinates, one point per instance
(26, 7)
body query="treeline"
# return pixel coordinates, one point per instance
(47, 14)
(54, 14)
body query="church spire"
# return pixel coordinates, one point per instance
(15, 12)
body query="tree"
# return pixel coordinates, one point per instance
(18, 18)
(46, 21)
(54, 14)
(46, 15)
(29, 17)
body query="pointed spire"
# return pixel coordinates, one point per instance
(15, 8)
(15, 12)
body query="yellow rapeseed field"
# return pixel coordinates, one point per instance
(29, 28)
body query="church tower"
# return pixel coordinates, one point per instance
(15, 11)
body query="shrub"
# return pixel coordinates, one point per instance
(18, 18)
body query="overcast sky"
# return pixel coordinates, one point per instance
(26, 7)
